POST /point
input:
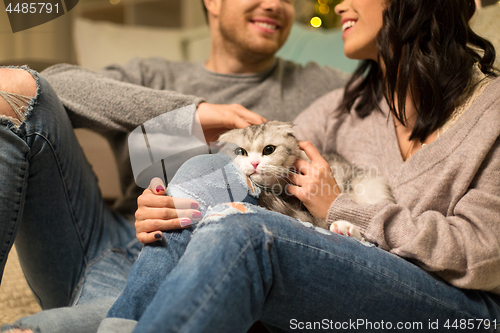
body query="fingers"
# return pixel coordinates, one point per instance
(156, 186)
(240, 123)
(241, 117)
(311, 152)
(296, 179)
(226, 116)
(249, 116)
(294, 190)
(149, 230)
(154, 225)
(148, 199)
(164, 213)
(146, 237)
(157, 212)
(301, 166)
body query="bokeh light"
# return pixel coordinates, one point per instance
(316, 22)
(324, 9)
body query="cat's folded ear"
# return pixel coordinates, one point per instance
(285, 125)
(280, 123)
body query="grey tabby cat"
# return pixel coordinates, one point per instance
(266, 154)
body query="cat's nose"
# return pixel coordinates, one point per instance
(255, 164)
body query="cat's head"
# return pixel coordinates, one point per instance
(264, 152)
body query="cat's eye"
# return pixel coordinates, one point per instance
(268, 150)
(240, 151)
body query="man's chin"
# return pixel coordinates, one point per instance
(265, 49)
(257, 56)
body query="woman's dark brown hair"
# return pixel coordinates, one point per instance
(427, 48)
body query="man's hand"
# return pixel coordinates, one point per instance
(315, 185)
(216, 119)
(158, 212)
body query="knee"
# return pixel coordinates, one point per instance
(19, 82)
(239, 223)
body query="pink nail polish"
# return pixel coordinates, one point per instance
(185, 222)
(194, 205)
(159, 188)
(196, 215)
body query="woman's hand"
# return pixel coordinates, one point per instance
(218, 118)
(314, 184)
(158, 212)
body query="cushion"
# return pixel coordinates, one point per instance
(99, 43)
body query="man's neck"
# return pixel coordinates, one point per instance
(224, 63)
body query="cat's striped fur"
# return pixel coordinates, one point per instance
(268, 168)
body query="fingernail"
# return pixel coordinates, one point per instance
(159, 188)
(158, 236)
(194, 205)
(185, 222)
(196, 215)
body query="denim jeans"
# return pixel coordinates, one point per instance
(73, 249)
(242, 263)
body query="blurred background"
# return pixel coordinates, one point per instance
(54, 42)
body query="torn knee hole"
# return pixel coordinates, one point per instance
(17, 89)
(16, 108)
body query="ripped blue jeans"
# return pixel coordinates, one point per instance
(242, 263)
(73, 249)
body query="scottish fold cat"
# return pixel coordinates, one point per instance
(266, 154)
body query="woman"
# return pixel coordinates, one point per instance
(423, 109)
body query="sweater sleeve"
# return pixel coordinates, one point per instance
(462, 247)
(118, 98)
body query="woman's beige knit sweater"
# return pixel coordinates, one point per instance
(446, 218)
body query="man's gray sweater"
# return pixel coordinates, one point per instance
(116, 100)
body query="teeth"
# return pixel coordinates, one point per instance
(266, 25)
(347, 25)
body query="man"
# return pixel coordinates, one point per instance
(241, 73)
(242, 69)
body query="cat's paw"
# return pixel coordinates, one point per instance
(346, 228)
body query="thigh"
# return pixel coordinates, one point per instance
(244, 263)
(310, 278)
(325, 280)
(77, 319)
(154, 264)
(53, 204)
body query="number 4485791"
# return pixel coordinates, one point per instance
(32, 8)
(474, 324)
